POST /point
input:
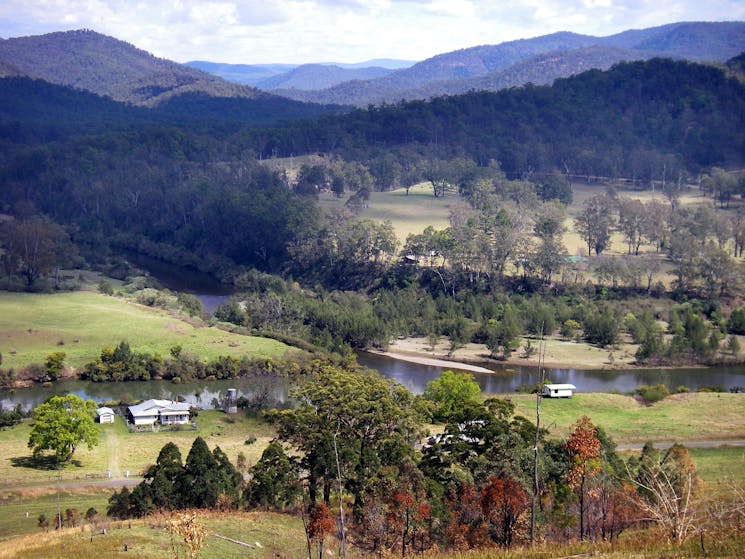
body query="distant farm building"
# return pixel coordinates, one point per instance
(163, 412)
(558, 390)
(105, 415)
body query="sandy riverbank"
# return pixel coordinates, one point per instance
(560, 354)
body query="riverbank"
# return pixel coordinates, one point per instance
(559, 354)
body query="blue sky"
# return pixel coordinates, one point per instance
(299, 31)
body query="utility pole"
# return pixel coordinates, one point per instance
(59, 507)
(538, 396)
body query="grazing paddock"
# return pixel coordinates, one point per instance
(81, 323)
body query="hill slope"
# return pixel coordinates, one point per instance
(320, 76)
(106, 66)
(714, 41)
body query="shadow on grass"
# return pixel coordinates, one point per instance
(42, 463)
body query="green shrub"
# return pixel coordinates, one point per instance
(652, 394)
(106, 287)
(736, 322)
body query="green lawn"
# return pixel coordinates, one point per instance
(720, 466)
(678, 417)
(120, 451)
(81, 323)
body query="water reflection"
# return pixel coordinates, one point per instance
(509, 378)
(205, 394)
(274, 391)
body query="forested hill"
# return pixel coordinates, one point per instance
(596, 123)
(542, 69)
(195, 194)
(89, 61)
(696, 41)
(34, 111)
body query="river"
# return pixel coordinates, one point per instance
(506, 380)
(503, 380)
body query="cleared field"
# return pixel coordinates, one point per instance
(15, 505)
(720, 466)
(680, 417)
(120, 451)
(81, 323)
(408, 214)
(269, 535)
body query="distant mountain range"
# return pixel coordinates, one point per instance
(539, 60)
(259, 75)
(106, 66)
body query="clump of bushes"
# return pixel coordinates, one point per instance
(652, 394)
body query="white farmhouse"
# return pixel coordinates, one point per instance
(558, 390)
(164, 412)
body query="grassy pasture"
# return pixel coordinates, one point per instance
(408, 214)
(15, 504)
(81, 323)
(120, 451)
(277, 535)
(680, 417)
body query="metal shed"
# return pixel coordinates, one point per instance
(558, 390)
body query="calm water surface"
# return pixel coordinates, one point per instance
(210, 394)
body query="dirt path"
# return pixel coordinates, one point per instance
(112, 446)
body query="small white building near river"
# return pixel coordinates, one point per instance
(558, 390)
(105, 415)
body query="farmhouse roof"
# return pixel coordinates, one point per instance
(149, 407)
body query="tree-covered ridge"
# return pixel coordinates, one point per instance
(542, 69)
(594, 123)
(504, 65)
(36, 111)
(88, 60)
(197, 196)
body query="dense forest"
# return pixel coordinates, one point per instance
(596, 123)
(195, 191)
(195, 185)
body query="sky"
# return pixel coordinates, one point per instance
(303, 31)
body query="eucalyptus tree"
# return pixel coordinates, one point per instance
(346, 427)
(595, 223)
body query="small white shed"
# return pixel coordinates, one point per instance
(558, 390)
(105, 415)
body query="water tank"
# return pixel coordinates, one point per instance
(231, 401)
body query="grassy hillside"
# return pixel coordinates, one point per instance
(120, 451)
(679, 417)
(269, 535)
(81, 323)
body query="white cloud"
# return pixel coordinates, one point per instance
(260, 31)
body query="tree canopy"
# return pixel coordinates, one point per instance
(61, 424)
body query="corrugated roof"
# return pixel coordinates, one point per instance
(560, 386)
(152, 406)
